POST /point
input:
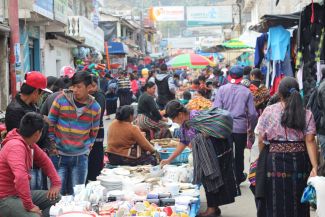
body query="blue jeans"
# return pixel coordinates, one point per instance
(36, 182)
(72, 171)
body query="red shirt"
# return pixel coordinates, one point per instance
(16, 160)
(134, 87)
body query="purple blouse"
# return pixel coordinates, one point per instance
(187, 134)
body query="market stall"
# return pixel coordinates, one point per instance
(292, 45)
(134, 191)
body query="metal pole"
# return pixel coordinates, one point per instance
(14, 41)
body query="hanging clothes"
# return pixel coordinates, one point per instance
(285, 66)
(278, 51)
(311, 24)
(276, 83)
(299, 77)
(259, 49)
(278, 43)
(311, 46)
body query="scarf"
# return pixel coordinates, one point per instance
(214, 122)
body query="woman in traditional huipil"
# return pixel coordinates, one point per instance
(287, 139)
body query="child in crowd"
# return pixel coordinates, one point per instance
(186, 97)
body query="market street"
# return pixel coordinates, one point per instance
(244, 205)
(162, 108)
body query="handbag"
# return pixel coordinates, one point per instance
(252, 173)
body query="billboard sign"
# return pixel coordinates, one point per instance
(170, 13)
(182, 43)
(209, 15)
(44, 7)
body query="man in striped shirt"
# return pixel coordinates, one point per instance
(75, 119)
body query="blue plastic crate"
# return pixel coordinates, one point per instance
(165, 153)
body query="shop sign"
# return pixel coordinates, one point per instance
(209, 15)
(182, 43)
(60, 10)
(210, 41)
(44, 7)
(170, 13)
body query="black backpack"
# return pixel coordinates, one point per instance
(315, 105)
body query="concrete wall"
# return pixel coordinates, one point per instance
(55, 58)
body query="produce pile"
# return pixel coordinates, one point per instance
(199, 103)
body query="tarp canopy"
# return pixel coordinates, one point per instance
(235, 44)
(268, 20)
(117, 48)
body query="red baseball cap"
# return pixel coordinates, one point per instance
(37, 80)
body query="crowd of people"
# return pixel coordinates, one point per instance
(55, 134)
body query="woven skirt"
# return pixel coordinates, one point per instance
(159, 130)
(286, 179)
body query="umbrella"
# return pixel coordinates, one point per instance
(193, 61)
(235, 44)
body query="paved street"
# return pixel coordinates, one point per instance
(244, 205)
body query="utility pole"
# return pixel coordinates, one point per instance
(14, 42)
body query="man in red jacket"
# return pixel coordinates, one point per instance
(18, 153)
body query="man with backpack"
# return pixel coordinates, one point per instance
(166, 87)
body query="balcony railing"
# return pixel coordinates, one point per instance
(83, 29)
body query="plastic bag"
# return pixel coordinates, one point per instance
(309, 195)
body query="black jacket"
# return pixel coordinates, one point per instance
(148, 107)
(164, 94)
(16, 111)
